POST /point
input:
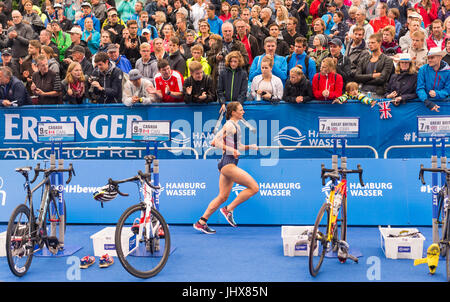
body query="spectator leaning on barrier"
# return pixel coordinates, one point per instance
(105, 81)
(168, 83)
(138, 90)
(12, 90)
(433, 80)
(352, 93)
(198, 87)
(297, 88)
(232, 83)
(46, 84)
(374, 70)
(327, 84)
(267, 86)
(74, 85)
(402, 84)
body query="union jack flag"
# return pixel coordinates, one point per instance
(385, 110)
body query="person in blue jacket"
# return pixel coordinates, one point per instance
(279, 64)
(12, 90)
(215, 24)
(120, 61)
(300, 57)
(86, 7)
(433, 80)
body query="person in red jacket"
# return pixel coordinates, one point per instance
(327, 84)
(382, 20)
(437, 37)
(428, 10)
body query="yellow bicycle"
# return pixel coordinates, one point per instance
(330, 227)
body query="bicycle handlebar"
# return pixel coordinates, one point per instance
(49, 171)
(422, 169)
(141, 177)
(336, 173)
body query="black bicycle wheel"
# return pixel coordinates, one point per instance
(142, 256)
(19, 241)
(319, 240)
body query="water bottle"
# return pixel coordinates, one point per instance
(337, 204)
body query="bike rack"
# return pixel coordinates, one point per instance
(17, 149)
(38, 151)
(408, 147)
(306, 147)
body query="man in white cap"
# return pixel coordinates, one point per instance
(86, 7)
(433, 80)
(136, 90)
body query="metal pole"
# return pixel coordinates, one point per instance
(434, 198)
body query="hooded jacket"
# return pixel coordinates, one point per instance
(429, 79)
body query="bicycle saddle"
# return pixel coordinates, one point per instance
(24, 169)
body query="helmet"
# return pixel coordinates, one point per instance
(106, 193)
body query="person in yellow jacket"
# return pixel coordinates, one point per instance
(197, 55)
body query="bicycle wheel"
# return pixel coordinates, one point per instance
(143, 256)
(319, 240)
(19, 242)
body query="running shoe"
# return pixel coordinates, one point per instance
(106, 261)
(87, 261)
(228, 216)
(204, 228)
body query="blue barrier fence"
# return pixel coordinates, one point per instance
(290, 192)
(277, 125)
(290, 185)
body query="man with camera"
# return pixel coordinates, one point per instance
(105, 81)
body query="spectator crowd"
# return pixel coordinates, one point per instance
(201, 51)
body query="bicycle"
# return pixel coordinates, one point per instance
(443, 213)
(330, 227)
(142, 235)
(27, 234)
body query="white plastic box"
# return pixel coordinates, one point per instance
(291, 235)
(2, 244)
(104, 242)
(401, 247)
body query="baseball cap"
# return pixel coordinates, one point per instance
(336, 41)
(78, 48)
(7, 52)
(134, 74)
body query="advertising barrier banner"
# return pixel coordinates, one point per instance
(284, 125)
(290, 191)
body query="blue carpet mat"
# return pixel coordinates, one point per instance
(242, 254)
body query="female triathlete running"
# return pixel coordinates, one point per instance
(228, 139)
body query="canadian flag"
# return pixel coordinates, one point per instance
(385, 110)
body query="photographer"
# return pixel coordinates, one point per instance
(12, 90)
(105, 81)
